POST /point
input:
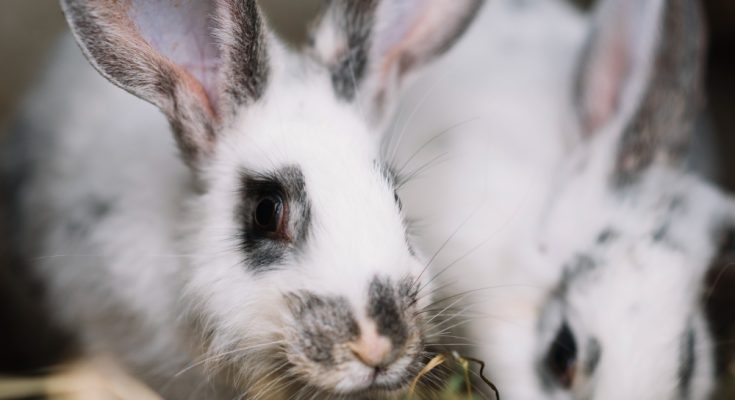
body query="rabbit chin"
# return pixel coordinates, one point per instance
(305, 378)
(341, 373)
(353, 378)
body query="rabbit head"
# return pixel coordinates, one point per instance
(299, 266)
(631, 232)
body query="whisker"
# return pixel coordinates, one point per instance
(223, 355)
(719, 276)
(432, 163)
(432, 139)
(404, 129)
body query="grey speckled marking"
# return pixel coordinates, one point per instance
(594, 353)
(671, 102)
(88, 215)
(687, 361)
(606, 236)
(107, 33)
(580, 266)
(248, 62)
(262, 251)
(386, 308)
(355, 19)
(323, 322)
(662, 233)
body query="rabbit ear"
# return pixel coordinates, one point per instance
(370, 46)
(196, 60)
(642, 70)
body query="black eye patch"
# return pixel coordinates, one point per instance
(274, 215)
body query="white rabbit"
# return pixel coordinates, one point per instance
(494, 98)
(274, 258)
(591, 288)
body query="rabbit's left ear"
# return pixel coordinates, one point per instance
(642, 70)
(370, 46)
(196, 60)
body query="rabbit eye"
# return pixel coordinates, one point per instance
(561, 360)
(269, 214)
(398, 199)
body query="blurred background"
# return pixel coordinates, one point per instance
(28, 29)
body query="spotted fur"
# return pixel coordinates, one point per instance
(580, 216)
(156, 261)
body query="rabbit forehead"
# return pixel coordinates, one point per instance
(300, 119)
(356, 225)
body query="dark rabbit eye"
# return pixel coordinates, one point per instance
(561, 360)
(269, 214)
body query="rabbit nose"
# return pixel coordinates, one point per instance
(371, 348)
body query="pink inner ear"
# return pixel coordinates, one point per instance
(413, 32)
(618, 61)
(606, 83)
(182, 32)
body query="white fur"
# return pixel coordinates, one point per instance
(163, 264)
(522, 197)
(142, 256)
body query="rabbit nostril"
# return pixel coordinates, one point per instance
(372, 349)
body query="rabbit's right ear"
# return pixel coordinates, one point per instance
(641, 69)
(371, 46)
(197, 60)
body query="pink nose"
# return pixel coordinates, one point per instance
(371, 348)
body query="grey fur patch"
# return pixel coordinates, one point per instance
(687, 361)
(606, 236)
(594, 354)
(663, 233)
(389, 173)
(262, 250)
(323, 323)
(659, 235)
(248, 61)
(387, 308)
(355, 20)
(662, 124)
(87, 215)
(579, 267)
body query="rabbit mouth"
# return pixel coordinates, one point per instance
(344, 374)
(347, 380)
